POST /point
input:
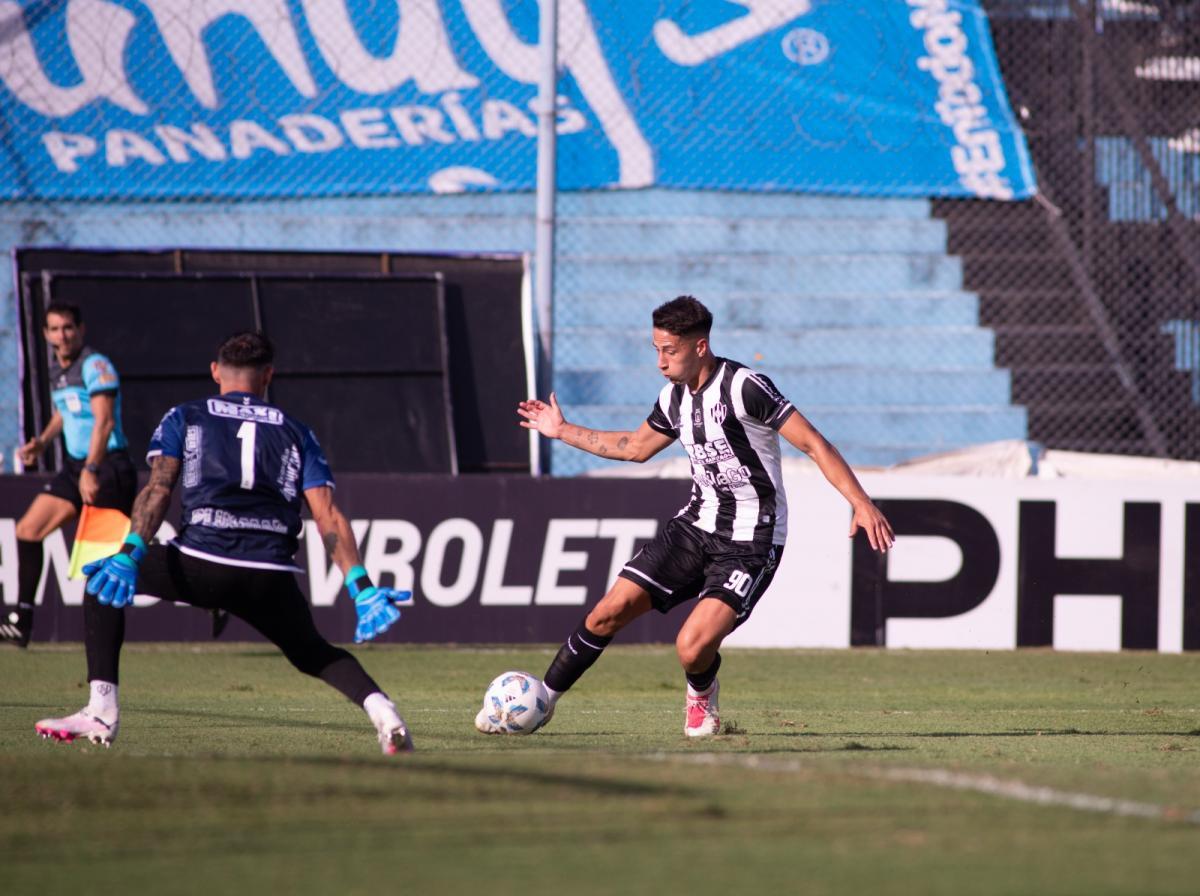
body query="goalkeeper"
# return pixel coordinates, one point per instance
(246, 468)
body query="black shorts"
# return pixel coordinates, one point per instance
(268, 599)
(118, 482)
(684, 562)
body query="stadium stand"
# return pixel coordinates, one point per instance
(891, 363)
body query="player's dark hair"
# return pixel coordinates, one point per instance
(63, 309)
(246, 350)
(683, 316)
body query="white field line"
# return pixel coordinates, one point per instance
(1010, 789)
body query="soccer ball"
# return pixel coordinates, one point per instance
(517, 702)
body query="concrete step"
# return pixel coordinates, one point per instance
(926, 308)
(1020, 346)
(585, 203)
(883, 452)
(790, 236)
(880, 348)
(707, 273)
(826, 386)
(1045, 270)
(1061, 425)
(908, 424)
(641, 237)
(1083, 384)
(1030, 307)
(634, 203)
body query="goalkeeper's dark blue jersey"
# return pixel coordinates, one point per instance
(245, 467)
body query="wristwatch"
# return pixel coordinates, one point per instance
(91, 468)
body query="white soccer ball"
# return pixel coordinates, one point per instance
(517, 702)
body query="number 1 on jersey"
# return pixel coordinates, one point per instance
(246, 432)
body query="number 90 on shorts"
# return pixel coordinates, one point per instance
(741, 581)
(683, 562)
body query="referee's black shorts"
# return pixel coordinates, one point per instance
(683, 562)
(118, 482)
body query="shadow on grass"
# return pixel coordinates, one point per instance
(849, 747)
(1015, 732)
(491, 776)
(318, 720)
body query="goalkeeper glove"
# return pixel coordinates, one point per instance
(113, 580)
(377, 608)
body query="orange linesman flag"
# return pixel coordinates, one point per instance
(99, 534)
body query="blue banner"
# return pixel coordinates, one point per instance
(258, 98)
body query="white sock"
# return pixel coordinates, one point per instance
(380, 708)
(103, 699)
(552, 694)
(692, 692)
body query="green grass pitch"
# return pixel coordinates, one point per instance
(839, 772)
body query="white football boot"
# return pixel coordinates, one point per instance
(84, 723)
(702, 716)
(394, 736)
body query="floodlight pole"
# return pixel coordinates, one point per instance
(543, 263)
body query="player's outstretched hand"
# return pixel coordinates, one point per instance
(547, 419)
(112, 580)
(871, 520)
(377, 610)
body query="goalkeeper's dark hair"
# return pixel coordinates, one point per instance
(249, 350)
(683, 316)
(65, 309)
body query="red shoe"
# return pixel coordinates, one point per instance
(703, 716)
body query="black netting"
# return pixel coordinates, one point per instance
(1093, 290)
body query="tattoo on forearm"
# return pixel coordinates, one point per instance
(595, 442)
(151, 504)
(330, 541)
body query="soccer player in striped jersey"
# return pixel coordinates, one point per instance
(246, 468)
(723, 547)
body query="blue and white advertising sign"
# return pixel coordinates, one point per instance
(258, 98)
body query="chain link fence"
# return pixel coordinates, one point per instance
(791, 164)
(1093, 291)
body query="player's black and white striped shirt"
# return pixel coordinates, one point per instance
(730, 431)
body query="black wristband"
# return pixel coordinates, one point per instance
(91, 468)
(357, 581)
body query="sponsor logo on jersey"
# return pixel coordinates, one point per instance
(104, 373)
(259, 413)
(725, 480)
(697, 416)
(289, 472)
(710, 452)
(192, 446)
(216, 518)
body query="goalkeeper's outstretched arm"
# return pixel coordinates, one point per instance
(336, 534)
(547, 420)
(150, 506)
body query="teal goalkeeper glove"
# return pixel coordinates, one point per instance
(377, 608)
(113, 580)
